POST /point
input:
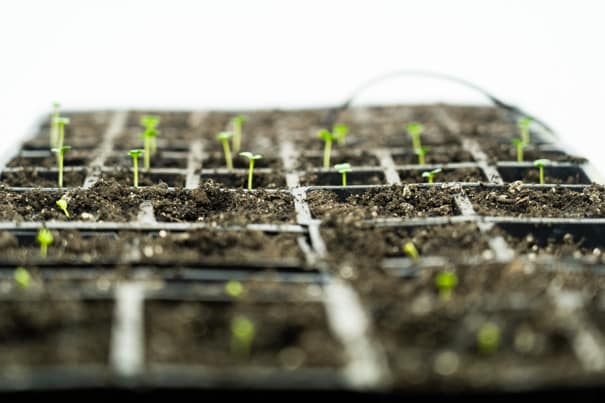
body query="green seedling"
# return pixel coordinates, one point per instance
(45, 239)
(135, 154)
(421, 151)
(430, 175)
(343, 169)
(22, 277)
(251, 158)
(242, 336)
(224, 137)
(445, 282)
(541, 163)
(60, 151)
(60, 122)
(415, 130)
(410, 249)
(328, 138)
(148, 138)
(234, 288)
(54, 129)
(62, 204)
(237, 123)
(520, 145)
(151, 122)
(340, 132)
(524, 124)
(488, 338)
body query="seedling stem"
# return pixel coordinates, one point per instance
(45, 239)
(54, 129)
(524, 124)
(343, 169)
(151, 122)
(251, 158)
(60, 151)
(414, 130)
(135, 154)
(541, 163)
(340, 132)
(224, 137)
(328, 139)
(421, 151)
(149, 136)
(61, 122)
(238, 123)
(431, 174)
(520, 145)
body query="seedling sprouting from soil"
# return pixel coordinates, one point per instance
(410, 249)
(224, 137)
(414, 130)
(54, 129)
(541, 163)
(524, 124)
(520, 145)
(60, 122)
(62, 204)
(60, 151)
(421, 151)
(149, 139)
(238, 124)
(430, 175)
(488, 338)
(445, 282)
(251, 158)
(242, 335)
(343, 169)
(340, 132)
(135, 154)
(234, 288)
(44, 239)
(328, 138)
(22, 277)
(151, 122)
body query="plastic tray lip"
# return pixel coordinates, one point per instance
(147, 227)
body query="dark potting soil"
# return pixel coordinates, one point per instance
(334, 178)
(532, 175)
(507, 152)
(287, 335)
(239, 180)
(213, 205)
(517, 201)
(166, 140)
(42, 179)
(45, 332)
(396, 201)
(356, 159)
(217, 160)
(437, 155)
(446, 175)
(125, 176)
(159, 160)
(70, 158)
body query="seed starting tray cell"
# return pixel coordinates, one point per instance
(135, 290)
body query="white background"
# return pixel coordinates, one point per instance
(545, 56)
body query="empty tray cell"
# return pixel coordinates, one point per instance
(211, 204)
(52, 333)
(42, 178)
(125, 176)
(435, 155)
(312, 160)
(217, 160)
(385, 202)
(555, 240)
(159, 160)
(239, 180)
(46, 159)
(552, 174)
(516, 201)
(446, 175)
(279, 335)
(334, 178)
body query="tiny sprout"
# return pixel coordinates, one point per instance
(523, 124)
(242, 335)
(541, 163)
(414, 130)
(60, 122)
(328, 138)
(431, 174)
(340, 132)
(62, 204)
(234, 288)
(410, 249)
(45, 239)
(488, 338)
(343, 169)
(224, 137)
(149, 137)
(135, 154)
(60, 151)
(151, 122)
(421, 151)
(251, 158)
(54, 128)
(22, 277)
(445, 282)
(238, 123)
(520, 145)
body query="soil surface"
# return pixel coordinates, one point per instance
(552, 175)
(356, 159)
(517, 201)
(508, 152)
(446, 175)
(42, 179)
(334, 178)
(239, 180)
(70, 158)
(396, 201)
(159, 160)
(436, 155)
(217, 160)
(125, 176)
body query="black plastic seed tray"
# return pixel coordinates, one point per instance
(337, 303)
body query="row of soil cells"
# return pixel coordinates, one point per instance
(498, 327)
(289, 322)
(413, 201)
